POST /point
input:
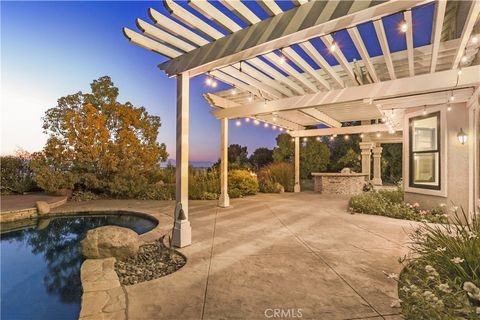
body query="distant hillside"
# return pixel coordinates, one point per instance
(195, 164)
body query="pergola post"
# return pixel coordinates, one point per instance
(366, 151)
(182, 232)
(296, 187)
(377, 166)
(224, 200)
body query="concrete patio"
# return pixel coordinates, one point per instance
(291, 251)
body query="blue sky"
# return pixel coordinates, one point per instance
(51, 49)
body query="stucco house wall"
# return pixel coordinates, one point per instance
(456, 174)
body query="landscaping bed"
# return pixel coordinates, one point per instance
(441, 278)
(154, 260)
(390, 203)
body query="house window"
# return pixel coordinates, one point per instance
(425, 151)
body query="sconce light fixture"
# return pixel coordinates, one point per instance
(462, 136)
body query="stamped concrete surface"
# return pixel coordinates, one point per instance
(294, 252)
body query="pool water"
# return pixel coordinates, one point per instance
(40, 265)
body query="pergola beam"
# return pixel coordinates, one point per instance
(299, 61)
(341, 130)
(439, 81)
(274, 33)
(467, 31)
(362, 50)
(440, 7)
(321, 117)
(337, 53)
(382, 38)
(409, 36)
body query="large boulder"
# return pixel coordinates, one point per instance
(110, 241)
(42, 207)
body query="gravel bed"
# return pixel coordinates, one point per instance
(152, 261)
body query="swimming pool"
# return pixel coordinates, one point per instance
(40, 265)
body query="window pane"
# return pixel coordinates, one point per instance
(424, 132)
(425, 169)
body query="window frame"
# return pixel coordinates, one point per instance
(437, 151)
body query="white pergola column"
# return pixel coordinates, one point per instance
(182, 232)
(377, 166)
(366, 151)
(224, 200)
(296, 187)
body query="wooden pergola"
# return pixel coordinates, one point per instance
(273, 81)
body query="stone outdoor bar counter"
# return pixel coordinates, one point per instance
(339, 183)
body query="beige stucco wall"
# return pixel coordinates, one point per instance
(457, 164)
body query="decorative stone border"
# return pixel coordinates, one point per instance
(103, 296)
(27, 213)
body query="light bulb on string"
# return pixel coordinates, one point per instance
(449, 107)
(452, 97)
(378, 134)
(346, 137)
(274, 127)
(362, 135)
(318, 138)
(238, 123)
(265, 125)
(475, 39)
(256, 122)
(331, 138)
(281, 58)
(424, 110)
(464, 58)
(234, 91)
(403, 26)
(250, 97)
(247, 120)
(459, 72)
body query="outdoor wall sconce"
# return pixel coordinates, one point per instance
(462, 136)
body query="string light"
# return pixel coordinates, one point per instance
(391, 131)
(274, 127)
(378, 134)
(282, 58)
(281, 129)
(238, 123)
(250, 97)
(265, 125)
(256, 122)
(425, 110)
(208, 81)
(464, 58)
(449, 107)
(362, 135)
(452, 97)
(475, 39)
(234, 91)
(331, 138)
(459, 71)
(318, 138)
(403, 26)
(305, 139)
(214, 83)
(346, 137)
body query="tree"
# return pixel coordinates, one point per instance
(392, 162)
(314, 157)
(285, 150)
(238, 155)
(261, 157)
(339, 147)
(98, 144)
(351, 160)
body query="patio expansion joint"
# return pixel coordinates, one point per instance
(319, 257)
(209, 263)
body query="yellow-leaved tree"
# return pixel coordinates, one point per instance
(100, 145)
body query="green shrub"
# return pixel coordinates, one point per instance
(281, 173)
(441, 278)
(159, 191)
(16, 175)
(390, 204)
(203, 184)
(84, 196)
(393, 196)
(242, 183)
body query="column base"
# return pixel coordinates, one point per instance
(182, 234)
(224, 201)
(296, 188)
(376, 181)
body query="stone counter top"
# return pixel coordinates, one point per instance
(339, 174)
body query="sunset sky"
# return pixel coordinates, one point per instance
(51, 49)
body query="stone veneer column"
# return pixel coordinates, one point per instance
(366, 151)
(224, 200)
(296, 187)
(182, 232)
(377, 166)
